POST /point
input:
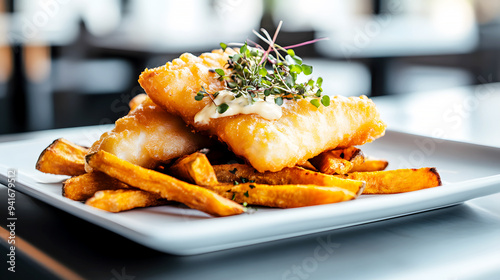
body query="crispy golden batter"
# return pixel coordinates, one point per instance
(149, 135)
(302, 132)
(137, 100)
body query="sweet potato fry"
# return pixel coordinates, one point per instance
(282, 196)
(124, 199)
(63, 158)
(195, 168)
(295, 176)
(307, 165)
(396, 181)
(166, 186)
(370, 165)
(84, 186)
(339, 161)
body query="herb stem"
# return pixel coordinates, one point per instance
(305, 43)
(212, 98)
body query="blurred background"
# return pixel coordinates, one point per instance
(67, 63)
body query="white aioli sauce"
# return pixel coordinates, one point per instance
(241, 105)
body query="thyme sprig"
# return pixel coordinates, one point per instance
(256, 73)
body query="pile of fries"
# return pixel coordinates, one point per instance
(116, 185)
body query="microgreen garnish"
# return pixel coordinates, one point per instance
(222, 108)
(245, 204)
(278, 100)
(246, 194)
(219, 71)
(325, 100)
(223, 46)
(256, 73)
(251, 186)
(234, 196)
(315, 102)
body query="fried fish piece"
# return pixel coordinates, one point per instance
(149, 135)
(137, 100)
(302, 132)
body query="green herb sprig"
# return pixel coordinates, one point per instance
(257, 74)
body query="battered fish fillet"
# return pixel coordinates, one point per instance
(149, 135)
(301, 133)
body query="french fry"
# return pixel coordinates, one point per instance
(307, 165)
(288, 176)
(332, 165)
(282, 196)
(124, 199)
(82, 187)
(396, 181)
(339, 161)
(166, 186)
(195, 168)
(370, 165)
(354, 155)
(137, 100)
(63, 158)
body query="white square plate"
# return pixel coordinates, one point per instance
(468, 171)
